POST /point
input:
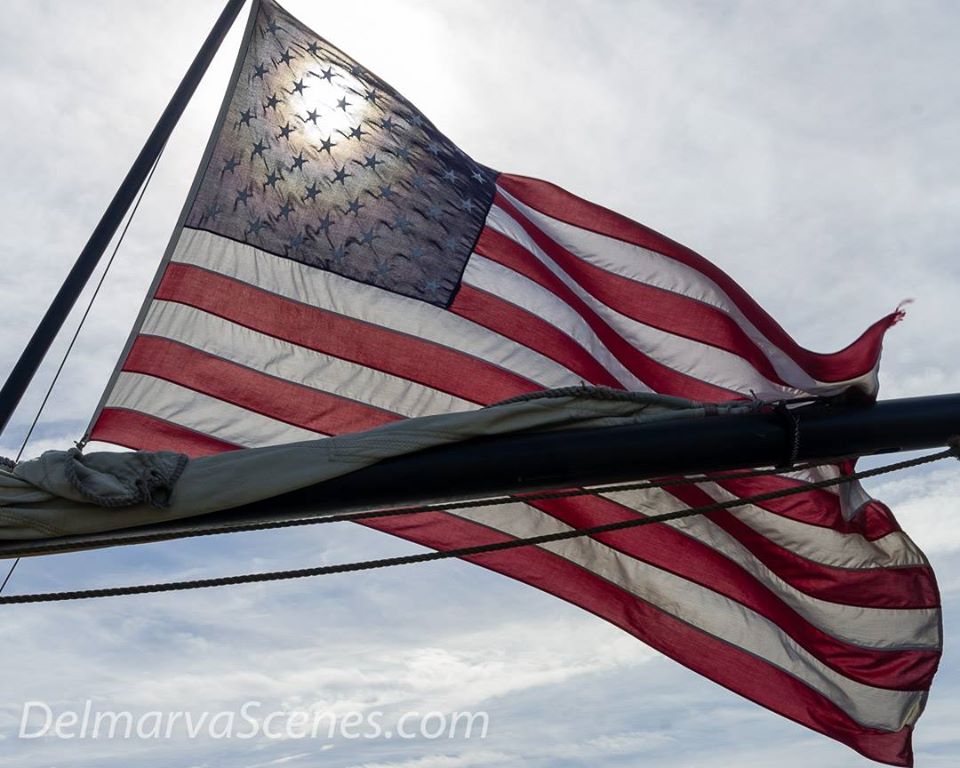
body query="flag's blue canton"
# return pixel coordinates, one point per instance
(322, 162)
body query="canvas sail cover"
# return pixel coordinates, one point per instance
(66, 494)
(340, 265)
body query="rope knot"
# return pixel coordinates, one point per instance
(953, 443)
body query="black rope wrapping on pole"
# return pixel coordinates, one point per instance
(366, 565)
(792, 424)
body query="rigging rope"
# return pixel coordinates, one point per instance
(9, 574)
(79, 327)
(89, 306)
(326, 570)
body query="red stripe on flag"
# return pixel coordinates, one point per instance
(661, 378)
(277, 398)
(648, 304)
(815, 507)
(858, 358)
(903, 587)
(133, 429)
(374, 346)
(531, 331)
(669, 549)
(910, 586)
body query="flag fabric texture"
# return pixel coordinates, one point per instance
(341, 264)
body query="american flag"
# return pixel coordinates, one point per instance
(340, 264)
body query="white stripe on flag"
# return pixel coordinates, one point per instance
(522, 292)
(701, 361)
(194, 410)
(317, 288)
(868, 627)
(820, 543)
(709, 612)
(276, 357)
(651, 268)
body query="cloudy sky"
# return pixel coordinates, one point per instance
(812, 150)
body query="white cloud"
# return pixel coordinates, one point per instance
(465, 760)
(927, 506)
(809, 149)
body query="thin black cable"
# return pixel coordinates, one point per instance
(9, 574)
(76, 333)
(325, 570)
(86, 311)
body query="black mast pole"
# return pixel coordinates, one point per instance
(528, 462)
(23, 372)
(533, 461)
